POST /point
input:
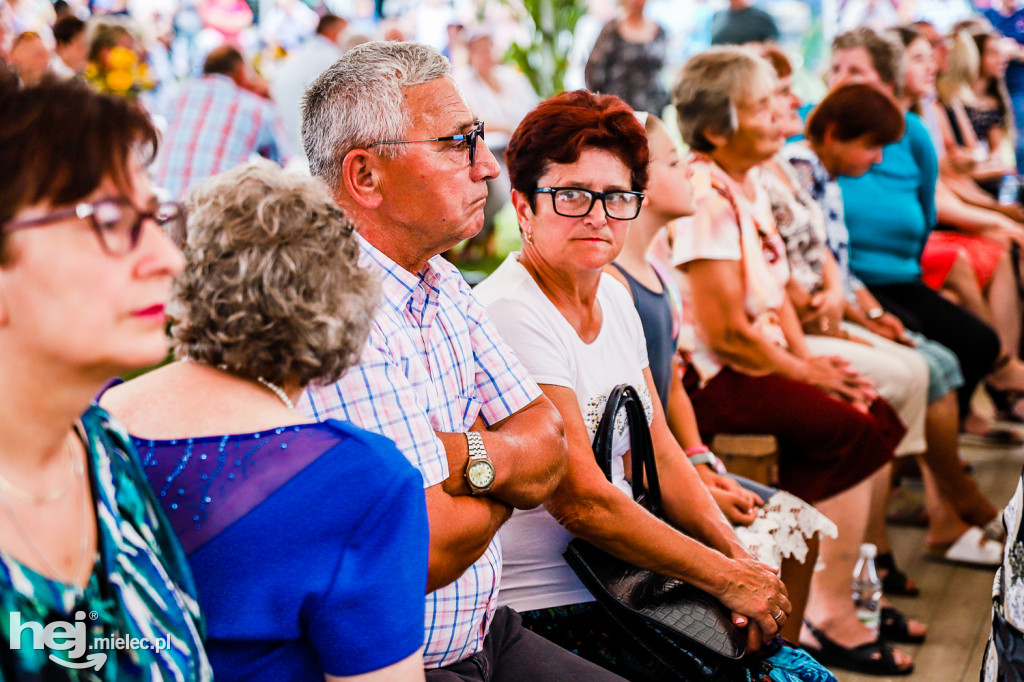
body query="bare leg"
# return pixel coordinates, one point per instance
(830, 606)
(875, 532)
(1005, 320)
(963, 289)
(796, 576)
(944, 525)
(1004, 304)
(942, 458)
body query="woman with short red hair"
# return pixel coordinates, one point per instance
(578, 167)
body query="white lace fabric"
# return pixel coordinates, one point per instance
(782, 528)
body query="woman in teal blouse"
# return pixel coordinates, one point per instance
(93, 584)
(891, 209)
(890, 251)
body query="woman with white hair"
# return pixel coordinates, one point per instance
(759, 375)
(308, 541)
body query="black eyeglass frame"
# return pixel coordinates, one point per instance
(476, 133)
(594, 196)
(87, 211)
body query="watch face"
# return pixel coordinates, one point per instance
(480, 474)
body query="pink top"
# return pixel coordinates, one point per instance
(729, 226)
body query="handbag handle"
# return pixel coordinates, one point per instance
(625, 397)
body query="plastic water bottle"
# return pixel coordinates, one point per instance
(867, 588)
(1008, 190)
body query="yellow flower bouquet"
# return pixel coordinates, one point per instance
(120, 72)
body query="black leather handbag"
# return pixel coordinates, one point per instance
(690, 632)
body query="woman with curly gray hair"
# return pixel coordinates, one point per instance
(295, 587)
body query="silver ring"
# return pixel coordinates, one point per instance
(779, 615)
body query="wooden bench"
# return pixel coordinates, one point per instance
(753, 456)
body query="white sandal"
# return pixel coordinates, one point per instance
(971, 549)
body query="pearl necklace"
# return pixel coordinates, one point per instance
(274, 388)
(278, 391)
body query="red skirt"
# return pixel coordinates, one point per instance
(942, 249)
(825, 445)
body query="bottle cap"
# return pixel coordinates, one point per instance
(868, 550)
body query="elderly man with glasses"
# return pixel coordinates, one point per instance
(388, 130)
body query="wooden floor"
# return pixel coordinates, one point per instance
(954, 602)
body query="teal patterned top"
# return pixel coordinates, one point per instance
(137, 619)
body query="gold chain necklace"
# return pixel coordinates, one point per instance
(47, 497)
(83, 531)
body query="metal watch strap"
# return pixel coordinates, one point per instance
(476, 445)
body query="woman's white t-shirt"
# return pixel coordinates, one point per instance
(534, 575)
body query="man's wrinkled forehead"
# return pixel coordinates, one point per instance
(439, 102)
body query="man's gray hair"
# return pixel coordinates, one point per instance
(708, 88)
(360, 100)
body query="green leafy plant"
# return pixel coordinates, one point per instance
(552, 25)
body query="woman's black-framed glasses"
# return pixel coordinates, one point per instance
(116, 222)
(576, 202)
(470, 138)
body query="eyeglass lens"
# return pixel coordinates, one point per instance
(119, 225)
(471, 139)
(575, 203)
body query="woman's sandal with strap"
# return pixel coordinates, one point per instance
(895, 627)
(895, 582)
(858, 659)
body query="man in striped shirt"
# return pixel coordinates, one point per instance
(217, 122)
(388, 131)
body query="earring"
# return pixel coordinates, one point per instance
(529, 236)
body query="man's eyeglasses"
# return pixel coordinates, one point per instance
(576, 202)
(116, 222)
(470, 138)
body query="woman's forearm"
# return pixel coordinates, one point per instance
(793, 330)
(616, 524)
(953, 211)
(687, 502)
(688, 505)
(682, 422)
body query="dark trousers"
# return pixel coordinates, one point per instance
(923, 310)
(512, 653)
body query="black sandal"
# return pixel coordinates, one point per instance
(895, 627)
(859, 659)
(895, 582)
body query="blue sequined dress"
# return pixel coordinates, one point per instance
(308, 544)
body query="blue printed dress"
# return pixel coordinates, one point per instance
(140, 589)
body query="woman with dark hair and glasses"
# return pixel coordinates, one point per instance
(85, 273)
(578, 167)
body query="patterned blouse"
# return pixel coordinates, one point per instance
(801, 223)
(1004, 653)
(825, 191)
(629, 70)
(984, 120)
(137, 618)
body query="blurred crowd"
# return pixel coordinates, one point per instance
(347, 425)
